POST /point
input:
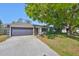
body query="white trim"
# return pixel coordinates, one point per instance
(33, 31)
(39, 30)
(10, 31)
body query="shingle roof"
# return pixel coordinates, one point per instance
(24, 25)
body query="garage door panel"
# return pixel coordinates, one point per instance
(21, 31)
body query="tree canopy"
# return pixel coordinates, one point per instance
(57, 14)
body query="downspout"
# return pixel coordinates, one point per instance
(33, 30)
(10, 30)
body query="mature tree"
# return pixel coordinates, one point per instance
(20, 20)
(0, 23)
(28, 21)
(13, 22)
(56, 14)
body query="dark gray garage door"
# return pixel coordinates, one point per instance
(22, 31)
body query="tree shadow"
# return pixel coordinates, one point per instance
(75, 37)
(54, 35)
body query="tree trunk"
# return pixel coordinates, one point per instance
(69, 31)
(58, 30)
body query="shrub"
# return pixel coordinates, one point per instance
(50, 34)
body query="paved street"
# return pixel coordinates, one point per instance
(25, 46)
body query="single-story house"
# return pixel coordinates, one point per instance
(21, 29)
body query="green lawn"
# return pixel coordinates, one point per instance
(63, 45)
(3, 38)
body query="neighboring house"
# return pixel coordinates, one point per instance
(3, 30)
(20, 29)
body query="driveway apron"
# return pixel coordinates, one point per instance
(25, 46)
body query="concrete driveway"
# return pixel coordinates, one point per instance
(25, 46)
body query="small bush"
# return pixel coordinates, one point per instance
(51, 36)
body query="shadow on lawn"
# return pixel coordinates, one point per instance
(75, 37)
(58, 34)
(52, 36)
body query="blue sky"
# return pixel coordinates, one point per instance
(11, 12)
